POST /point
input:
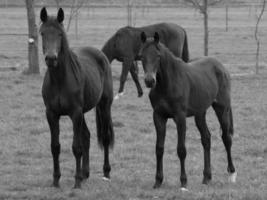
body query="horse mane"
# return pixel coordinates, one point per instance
(166, 50)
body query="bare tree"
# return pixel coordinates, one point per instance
(33, 39)
(74, 11)
(58, 2)
(202, 6)
(256, 35)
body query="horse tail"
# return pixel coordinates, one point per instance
(104, 125)
(185, 53)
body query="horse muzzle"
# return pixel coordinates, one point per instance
(51, 61)
(150, 81)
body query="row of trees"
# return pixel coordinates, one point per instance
(201, 5)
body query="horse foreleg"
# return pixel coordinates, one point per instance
(205, 140)
(53, 122)
(181, 149)
(134, 72)
(86, 146)
(160, 125)
(77, 120)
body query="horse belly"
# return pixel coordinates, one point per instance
(202, 98)
(92, 95)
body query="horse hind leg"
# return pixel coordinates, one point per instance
(201, 124)
(126, 65)
(105, 133)
(224, 115)
(180, 122)
(85, 156)
(134, 72)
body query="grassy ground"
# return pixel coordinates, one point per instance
(26, 161)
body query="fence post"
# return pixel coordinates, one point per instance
(226, 17)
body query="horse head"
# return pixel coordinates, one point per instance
(52, 32)
(150, 58)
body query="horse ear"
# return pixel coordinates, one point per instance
(43, 15)
(143, 37)
(60, 15)
(156, 37)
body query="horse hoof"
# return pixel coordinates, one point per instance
(157, 185)
(85, 175)
(206, 181)
(232, 177)
(140, 94)
(77, 186)
(55, 185)
(183, 189)
(117, 96)
(106, 179)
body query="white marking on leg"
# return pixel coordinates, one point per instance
(106, 179)
(117, 96)
(232, 177)
(184, 189)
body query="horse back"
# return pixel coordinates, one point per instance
(209, 66)
(97, 74)
(171, 35)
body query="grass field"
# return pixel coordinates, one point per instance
(25, 158)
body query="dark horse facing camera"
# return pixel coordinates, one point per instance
(180, 90)
(75, 83)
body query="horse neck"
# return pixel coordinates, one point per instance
(171, 68)
(136, 39)
(58, 75)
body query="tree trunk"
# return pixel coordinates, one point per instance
(33, 39)
(206, 28)
(257, 36)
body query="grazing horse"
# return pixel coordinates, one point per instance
(125, 44)
(180, 90)
(74, 83)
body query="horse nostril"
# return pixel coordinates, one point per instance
(150, 82)
(51, 60)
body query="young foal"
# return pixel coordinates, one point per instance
(74, 84)
(180, 90)
(125, 44)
